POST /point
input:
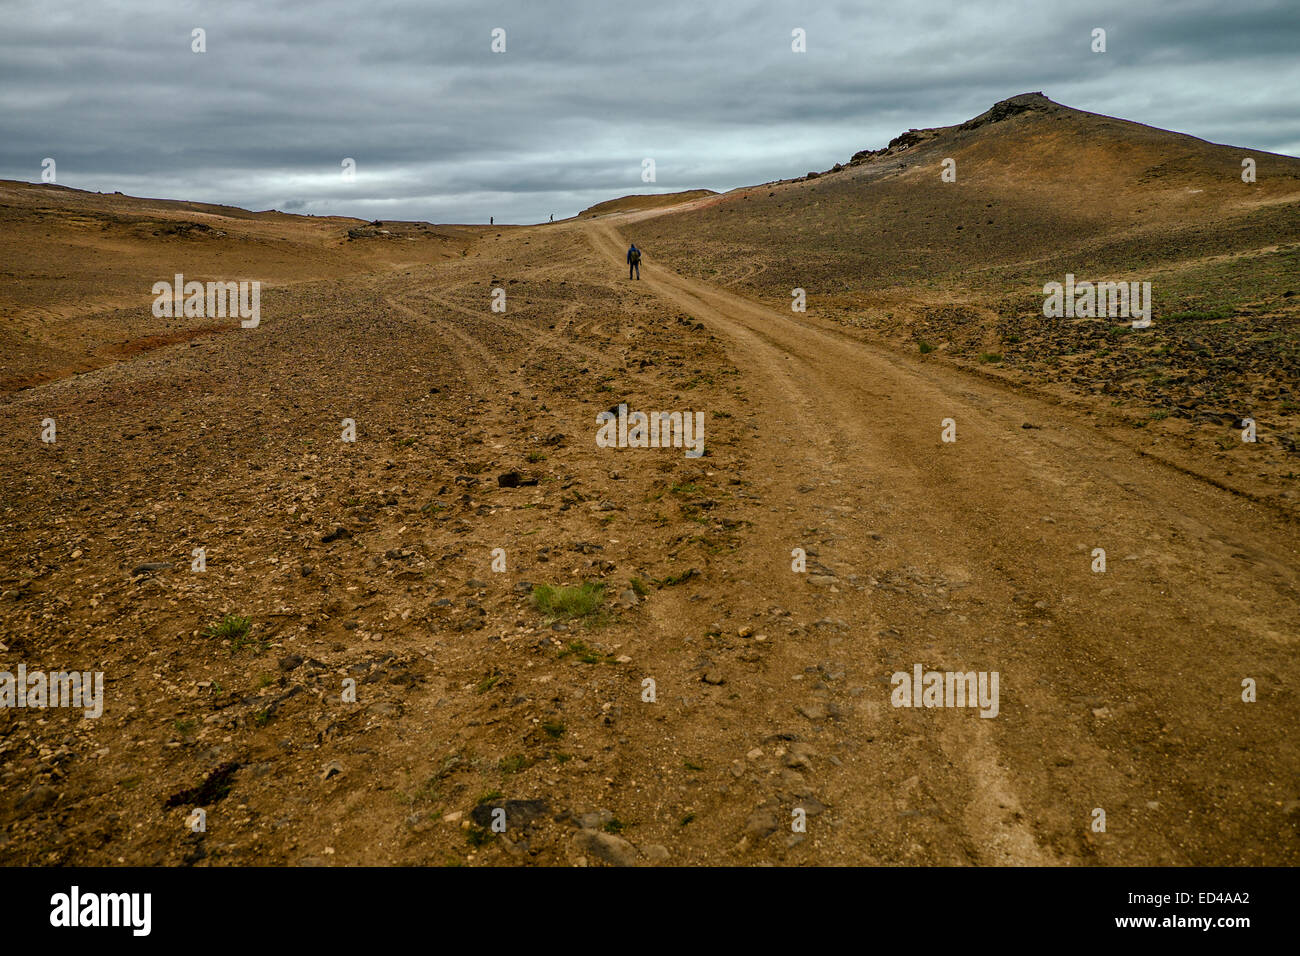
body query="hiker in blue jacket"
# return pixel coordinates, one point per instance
(633, 261)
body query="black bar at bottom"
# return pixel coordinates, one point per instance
(330, 906)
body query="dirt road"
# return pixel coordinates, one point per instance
(1121, 690)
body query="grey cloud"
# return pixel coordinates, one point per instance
(442, 128)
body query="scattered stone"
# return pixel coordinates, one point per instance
(519, 813)
(147, 568)
(811, 806)
(38, 798)
(215, 786)
(761, 823)
(813, 711)
(512, 479)
(335, 535)
(606, 846)
(595, 820)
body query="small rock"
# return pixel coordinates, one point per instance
(813, 711)
(606, 846)
(595, 820)
(761, 823)
(811, 806)
(38, 798)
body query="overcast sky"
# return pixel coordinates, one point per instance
(444, 129)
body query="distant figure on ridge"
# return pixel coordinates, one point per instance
(492, 220)
(552, 217)
(633, 261)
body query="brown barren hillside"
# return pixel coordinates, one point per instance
(78, 267)
(641, 203)
(885, 246)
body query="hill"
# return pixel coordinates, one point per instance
(639, 203)
(884, 246)
(76, 267)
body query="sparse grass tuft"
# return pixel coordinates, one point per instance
(678, 578)
(235, 629)
(514, 763)
(569, 601)
(584, 653)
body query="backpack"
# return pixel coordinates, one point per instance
(636, 256)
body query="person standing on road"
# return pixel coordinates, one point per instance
(633, 261)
